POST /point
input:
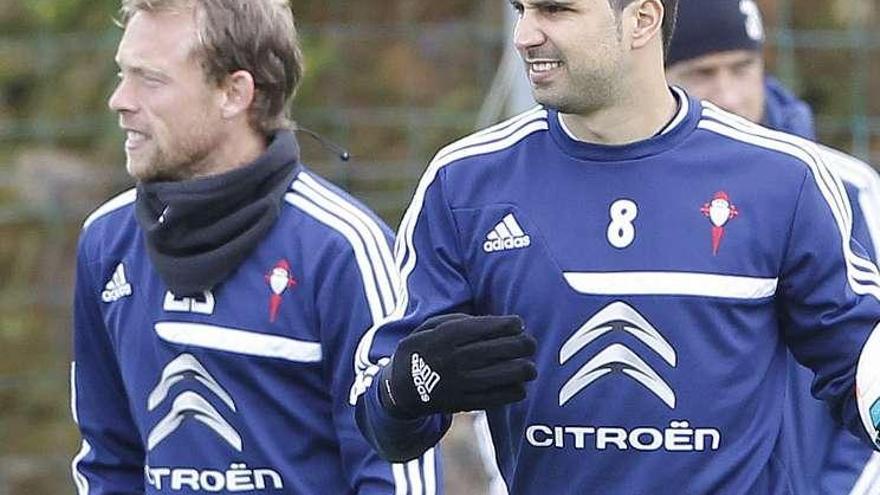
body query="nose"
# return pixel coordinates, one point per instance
(728, 94)
(527, 33)
(122, 99)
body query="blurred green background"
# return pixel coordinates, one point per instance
(391, 80)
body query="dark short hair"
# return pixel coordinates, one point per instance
(669, 16)
(258, 36)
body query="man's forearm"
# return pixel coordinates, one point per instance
(397, 440)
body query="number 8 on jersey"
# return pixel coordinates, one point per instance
(621, 231)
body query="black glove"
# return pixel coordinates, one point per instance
(457, 362)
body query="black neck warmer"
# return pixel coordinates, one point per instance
(198, 231)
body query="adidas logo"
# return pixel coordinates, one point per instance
(424, 378)
(506, 235)
(117, 287)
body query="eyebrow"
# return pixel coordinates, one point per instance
(545, 3)
(139, 68)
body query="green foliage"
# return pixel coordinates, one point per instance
(67, 15)
(321, 56)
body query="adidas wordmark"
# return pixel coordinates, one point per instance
(506, 235)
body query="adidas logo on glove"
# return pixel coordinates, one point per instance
(424, 378)
(484, 362)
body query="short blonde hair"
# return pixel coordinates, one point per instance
(258, 36)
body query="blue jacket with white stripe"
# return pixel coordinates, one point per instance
(244, 389)
(825, 458)
(664, 281)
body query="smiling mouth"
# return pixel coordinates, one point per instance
(544, 66)
(133, 139)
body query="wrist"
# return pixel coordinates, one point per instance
(389, 401)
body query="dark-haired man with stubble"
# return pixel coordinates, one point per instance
(616, 276)
(219, 302)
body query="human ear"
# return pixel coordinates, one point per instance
(237, 94)
(646, 20)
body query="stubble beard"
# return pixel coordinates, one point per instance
(588, 87)
(183, 159)
(582, 93)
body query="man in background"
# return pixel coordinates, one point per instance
(218, 303)
(716, 54)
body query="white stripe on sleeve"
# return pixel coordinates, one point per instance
(79, 479)
(373, 294)
(494, 139)
(113, 204)
(414, 474)
(383, 262)
(862, 274)
(428, 460)
(400, 484)
(867, 182)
